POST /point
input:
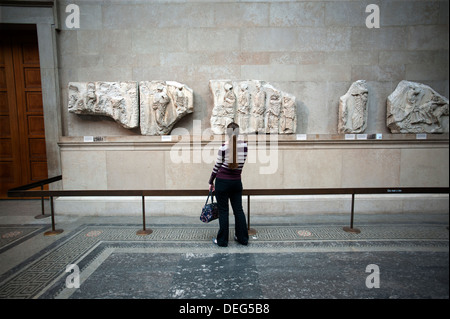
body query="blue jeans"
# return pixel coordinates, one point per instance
(227, 189)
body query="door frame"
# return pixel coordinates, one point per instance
(43, 15)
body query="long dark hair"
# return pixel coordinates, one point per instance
(233, 132)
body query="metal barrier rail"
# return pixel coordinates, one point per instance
(15, 192)
(24, 191)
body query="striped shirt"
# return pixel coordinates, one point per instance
(221, 168)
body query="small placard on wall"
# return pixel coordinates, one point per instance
(166, 138)
(421, 136)
(90, 139)
(301, 137)
(361, 136)
(350, 136)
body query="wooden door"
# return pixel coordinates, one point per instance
(22, 136)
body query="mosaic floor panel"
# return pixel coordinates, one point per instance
(11, 235)
(179, 261)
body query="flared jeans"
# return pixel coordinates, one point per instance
(230, 190)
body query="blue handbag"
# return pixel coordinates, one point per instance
(210, 211)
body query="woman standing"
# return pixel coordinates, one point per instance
(228, 186)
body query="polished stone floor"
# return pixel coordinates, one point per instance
(290, 257)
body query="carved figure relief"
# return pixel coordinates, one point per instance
(159, 104)
(416, 108)
(353, 110)
(229, 102)
(243, 109)
(256, 123)
(273, 112)
(255, 105)
(162, 104)
(287, 125)
(117, 100)
(181, 101)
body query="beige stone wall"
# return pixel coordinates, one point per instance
(149, 163)
(311, 49)
(318, 162)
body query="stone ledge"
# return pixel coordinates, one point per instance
(281, 139)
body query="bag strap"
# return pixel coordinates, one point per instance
(212, 197)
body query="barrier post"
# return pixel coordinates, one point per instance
(251, 231)
(351, 229)
(143, 231)
(42, 215)
(53, 231)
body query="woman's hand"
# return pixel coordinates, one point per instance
(211, 187)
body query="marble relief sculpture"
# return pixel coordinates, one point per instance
(288, 116)
(154, 106)
(416, 108)
(257, 112)
(117, 100)
(255, 105)
(162, 104)
(243, 110)
(353, 110)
